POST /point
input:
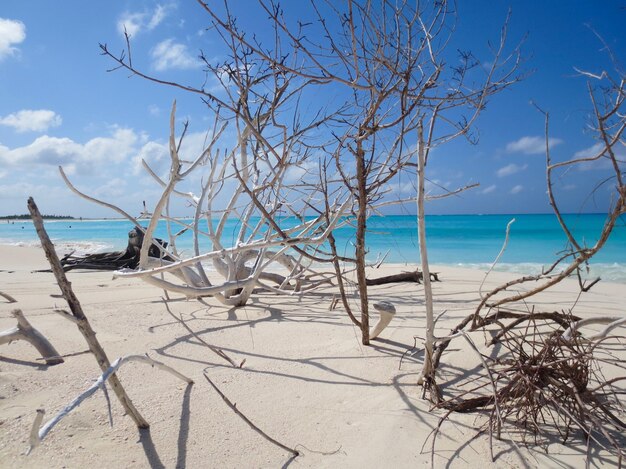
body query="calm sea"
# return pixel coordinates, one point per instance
(460, 240)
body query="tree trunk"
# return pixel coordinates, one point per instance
(360, 242)
(428, 292)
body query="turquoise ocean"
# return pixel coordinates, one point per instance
(459, 240)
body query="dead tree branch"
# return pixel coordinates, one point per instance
(39, 431)
(248, 421)
(25, 331)
(77, 311)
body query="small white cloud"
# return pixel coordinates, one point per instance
(11, 32)
(32, 120)
(510, 169)
(154, 110)
(489, 189)
(590, 152)
(603, 161)
(135, 22)
(531, 145)
(169, 55)
(517, 189)
(130, 23)
(158, 16)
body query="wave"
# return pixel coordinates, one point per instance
(79, 248)
(609, 271)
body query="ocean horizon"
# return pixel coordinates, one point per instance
(472, 241)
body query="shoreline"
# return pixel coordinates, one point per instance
(514, 269)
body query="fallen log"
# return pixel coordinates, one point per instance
(415, 277)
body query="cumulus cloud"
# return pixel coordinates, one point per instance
(517, 189)
(489, 189)
(590, 152)
(531, 145)
(135, 22)
(169, 54)
(510, 169)
(54, 151)
(32, 120)
(153, 153)
(113, 188)
(11, 32)
(603, 162)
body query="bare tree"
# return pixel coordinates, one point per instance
(247, 177)
(388, 60)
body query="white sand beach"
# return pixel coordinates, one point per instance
(307, 380)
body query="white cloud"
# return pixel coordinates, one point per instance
(135, 22)
(21, 190)
(489, 189)
(113, 188)
(590, 152)
(303, 172)
(603, 162)
(531, 145)
(154, 110)
(11, 32)
(130, 23)
(32, 120)
(517, 189)
(158, 15)
(54, 151)
(168, 55)
(155, 154)
(510, 169)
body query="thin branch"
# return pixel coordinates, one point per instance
(247, 420)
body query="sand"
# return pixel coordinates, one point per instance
(307, 380)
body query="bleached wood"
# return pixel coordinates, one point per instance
(43, 430)
(429, 343)
(25, 331)
(247, 420)
(612, 322)
(77, 311)
(8, 297)
(386, 312)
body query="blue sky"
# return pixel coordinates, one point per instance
(59, 105)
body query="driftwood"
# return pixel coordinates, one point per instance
(248, 421)
(8, 297)
(415, 277)
(128, 258)
(549, 380)
(39, 432)
(81, 320)
(387, 311)
(25, 331)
